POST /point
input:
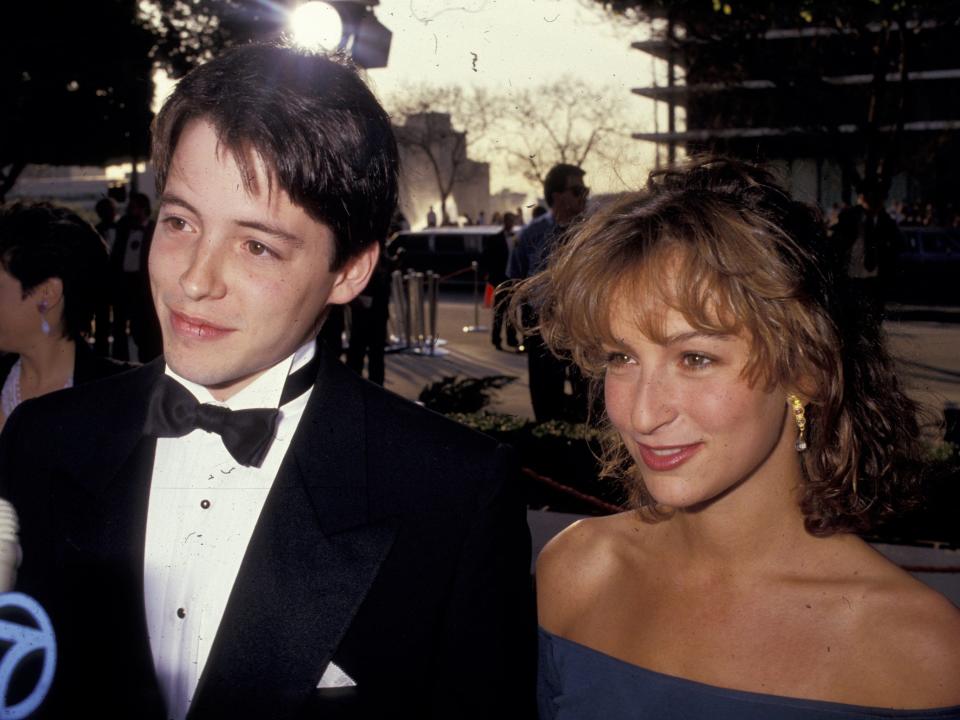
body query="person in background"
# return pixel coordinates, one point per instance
(868, 240)
(758, 424)
(53, 267)
(566, 194)
(106, 211)
(132, 305)
(496, 253)
(369, 315)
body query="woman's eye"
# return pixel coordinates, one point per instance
(696, 361)
(616, 359)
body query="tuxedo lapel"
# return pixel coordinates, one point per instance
(311, 560)
(101, 511)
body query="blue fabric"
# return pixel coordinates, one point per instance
(532, 249)
(578, 682)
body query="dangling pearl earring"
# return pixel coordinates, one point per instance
(800, 417)
(44, 325)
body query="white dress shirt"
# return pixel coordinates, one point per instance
(203, 508)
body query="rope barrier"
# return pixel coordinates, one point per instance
(467, 269)
(572, 492)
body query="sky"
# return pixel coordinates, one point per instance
(503, 44)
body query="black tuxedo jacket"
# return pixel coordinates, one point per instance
(393, 543)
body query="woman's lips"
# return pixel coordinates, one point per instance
(196, 327)
(667, 457)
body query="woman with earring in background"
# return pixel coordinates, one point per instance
(53, 269)
(757, 426)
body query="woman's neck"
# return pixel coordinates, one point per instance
(756, 524)
(46, 367)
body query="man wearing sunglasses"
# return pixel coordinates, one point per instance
(566, 196)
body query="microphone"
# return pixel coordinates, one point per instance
(27, 641)
(10, 552)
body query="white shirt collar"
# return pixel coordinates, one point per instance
(264, 392)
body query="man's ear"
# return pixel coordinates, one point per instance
(353, 277)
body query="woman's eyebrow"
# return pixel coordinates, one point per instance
(695, 335)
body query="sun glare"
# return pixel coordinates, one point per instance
(316, 25)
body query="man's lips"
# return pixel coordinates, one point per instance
(667, 457)
(196, 327)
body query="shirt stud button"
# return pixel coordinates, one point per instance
(181, 613)
(205, 504)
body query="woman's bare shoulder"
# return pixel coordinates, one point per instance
(580, 562)
(910, 635)
(921, 642)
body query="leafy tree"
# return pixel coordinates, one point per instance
(188, 32)
(76, 83)
(723, 42)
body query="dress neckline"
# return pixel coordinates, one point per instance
(769, 698)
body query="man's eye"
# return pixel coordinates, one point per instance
(696, 361)
(178, 224)
(257, 248)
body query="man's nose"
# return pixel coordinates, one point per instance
(204, 276)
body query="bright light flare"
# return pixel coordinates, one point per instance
(316, 26)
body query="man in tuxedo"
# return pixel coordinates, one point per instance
(244, 528)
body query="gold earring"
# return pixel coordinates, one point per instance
(800, 417)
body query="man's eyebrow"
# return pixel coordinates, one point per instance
(171, 199)
(267, 228)
(277, 232)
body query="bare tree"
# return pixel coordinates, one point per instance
(567, 121)
(426, 119)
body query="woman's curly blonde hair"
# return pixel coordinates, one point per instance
(722, 243)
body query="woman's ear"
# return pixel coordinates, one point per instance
(48, 296)
(49, 293)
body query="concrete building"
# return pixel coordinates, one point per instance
(800, 98)
(432, 153)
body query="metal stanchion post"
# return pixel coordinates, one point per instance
(432, 309)
(400, 333)
(476, 327)
(418, 310)
(408, 308)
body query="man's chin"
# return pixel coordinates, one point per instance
(222, 382)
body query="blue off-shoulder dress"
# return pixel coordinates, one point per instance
(577, 682)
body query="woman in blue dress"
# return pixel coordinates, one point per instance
(758, 426)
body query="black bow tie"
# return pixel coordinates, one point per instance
(173, 411)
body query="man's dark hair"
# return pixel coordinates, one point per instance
(322, 134)
(556, 180)
(39, 241)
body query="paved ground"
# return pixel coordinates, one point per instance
(468, 354)
(927, 349)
